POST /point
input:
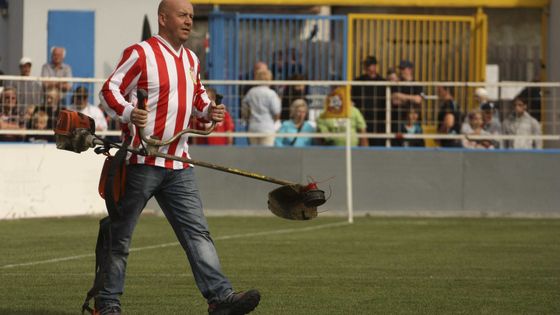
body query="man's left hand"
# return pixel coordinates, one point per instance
(217, 112)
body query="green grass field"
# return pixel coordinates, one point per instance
(374, 266)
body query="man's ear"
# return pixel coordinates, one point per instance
(161, 18)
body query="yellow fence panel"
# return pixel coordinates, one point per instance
(442, 48)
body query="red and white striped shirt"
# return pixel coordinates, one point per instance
(172, 80)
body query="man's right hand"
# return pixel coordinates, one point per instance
(139, 117)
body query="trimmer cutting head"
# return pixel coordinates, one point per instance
(296, 202)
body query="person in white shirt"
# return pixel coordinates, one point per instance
(81, 104)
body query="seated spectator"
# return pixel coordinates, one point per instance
(9, 118)
(522, 124)
(411, 127)
(226, 125)
(481, 96)
(40, 121)
(392, 75)
(260, 108)
(476, 124)
(297, 124)
(338, 125)
(448, 126)
(81, 104)
(292, 93)
(51, 105)
(490, 124)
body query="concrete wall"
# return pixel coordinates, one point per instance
(394, 181)
(39, 180)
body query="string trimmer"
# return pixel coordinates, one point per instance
(76, 132)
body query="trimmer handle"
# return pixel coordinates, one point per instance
(142, 96)
(219, 98)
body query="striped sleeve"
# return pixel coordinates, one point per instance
(115, 91)
(200, 98)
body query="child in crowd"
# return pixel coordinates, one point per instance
(40, 121)
(476, 125)
(411, 127)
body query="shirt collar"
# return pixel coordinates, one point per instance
(166, 43)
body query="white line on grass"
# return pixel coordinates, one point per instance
(219, 238)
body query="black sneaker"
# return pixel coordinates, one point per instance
(238, 303)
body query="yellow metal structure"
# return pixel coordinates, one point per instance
(442, 49)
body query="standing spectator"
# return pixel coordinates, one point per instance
(261, 109)
(533, 96)
(282, 69)
(259, 65)
(292, 93)
(80, 103)
(448, 105)
(297, 123)
(58, 69)
(338, 125)
(411, 127)
(448, 126)
(226, 125)
(476, 126)
(28, 92)
(404, 96)
(9, 118)
(370, 100)
(521, 123)
(179, 94)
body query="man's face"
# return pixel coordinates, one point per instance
(25, 70)
(487, 116)
(371, 70)
(57, 56)
(177, 20)
(519, 107)
(407, 74)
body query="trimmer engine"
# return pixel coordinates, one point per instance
(74, 131)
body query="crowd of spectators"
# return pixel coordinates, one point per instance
(272, 109)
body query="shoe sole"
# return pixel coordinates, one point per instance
(247, 304)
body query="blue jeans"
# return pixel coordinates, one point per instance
(177, 194)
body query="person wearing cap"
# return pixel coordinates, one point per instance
(28, 92)
(403, 97)
(370, 100)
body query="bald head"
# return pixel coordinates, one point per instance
(175, 20)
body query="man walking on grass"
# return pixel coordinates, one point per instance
(170, 73)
